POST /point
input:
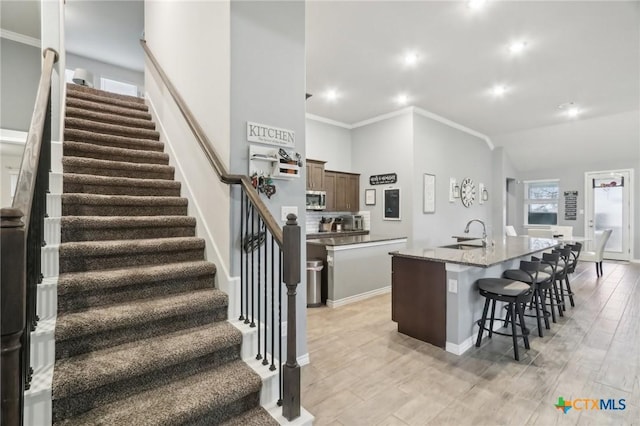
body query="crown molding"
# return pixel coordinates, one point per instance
(20, 38)
(382, 117)
(406, 110)
(328, 121)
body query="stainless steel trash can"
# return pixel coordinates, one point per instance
(314, 282)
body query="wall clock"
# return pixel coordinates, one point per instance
(467, 192)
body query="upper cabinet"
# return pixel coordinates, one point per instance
(343, 191)
(315, 175)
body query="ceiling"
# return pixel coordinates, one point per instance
(577, 51)
(107, 31)
(587, 52)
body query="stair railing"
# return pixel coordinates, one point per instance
(269, 257)
(22, 238)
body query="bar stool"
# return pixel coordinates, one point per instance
(530, 273)
(565, 286)
(515, 294)
(549, 262)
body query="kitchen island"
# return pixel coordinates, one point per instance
(355, 267)
(434, 296)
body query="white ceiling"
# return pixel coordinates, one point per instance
(107, 31)
(582, 51)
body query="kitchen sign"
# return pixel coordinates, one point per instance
(269, 135)
(383, 179)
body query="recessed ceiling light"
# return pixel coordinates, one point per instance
(498, 91)
(517, 47)
(331, 95)
(402, 99)
(410, 59)
(571, 109)
(476, 4)
(573, 112)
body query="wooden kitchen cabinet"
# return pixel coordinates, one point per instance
(330, 189)
(315, 175)
(343, 191)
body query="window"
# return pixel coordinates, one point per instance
(118, 87)
(541, 202)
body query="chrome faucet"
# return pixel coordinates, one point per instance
(484, 230)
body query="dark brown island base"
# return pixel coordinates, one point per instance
(434, 296)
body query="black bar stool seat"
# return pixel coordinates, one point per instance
(520, 275)
(515, 294)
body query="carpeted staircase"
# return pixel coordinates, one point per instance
(141, 332)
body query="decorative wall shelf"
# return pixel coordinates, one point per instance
(265, 161)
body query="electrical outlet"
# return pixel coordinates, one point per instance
(285, 210)
(453, 286)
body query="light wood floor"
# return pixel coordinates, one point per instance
(363, 372)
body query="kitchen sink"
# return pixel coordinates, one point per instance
(461, 246)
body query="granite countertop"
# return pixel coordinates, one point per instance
(334, 234)
(506, 248)
(354, 239)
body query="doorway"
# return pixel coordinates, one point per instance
(511, 203)
(608, 206)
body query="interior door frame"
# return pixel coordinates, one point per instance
(588, 204)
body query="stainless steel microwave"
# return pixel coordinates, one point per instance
(316, 200)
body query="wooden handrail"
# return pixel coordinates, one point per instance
(29, 167)
(212, 156)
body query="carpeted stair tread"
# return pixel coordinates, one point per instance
(136, 314)
(257, 416)
(89, 150)
(100, 228)
(200, 399)
(110, 109)
(122, 205)
(95, 369)
(134, 247)
(85, 165)
(104, 96)
(85, 136)
(73, 182)
(109, 118)
(72, 282)
(110, 129)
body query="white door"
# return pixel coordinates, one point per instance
(608, 206)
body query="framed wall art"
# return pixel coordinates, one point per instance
(429, 195)
(391, 204)
(369, 197)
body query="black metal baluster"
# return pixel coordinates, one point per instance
(280, 330)
(265, 361)
(273, 300)
(246, 262)
(257, 241)
(253, 262)
(242, 254)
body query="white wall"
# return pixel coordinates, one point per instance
(447, 153)
(102, 69)
(19, 77)
(329, 143)
(191, 40)
(268, 87)
(386, 147)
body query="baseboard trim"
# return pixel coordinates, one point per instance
(303, 360)
(358, 297)
(461, 348)
(635, 261)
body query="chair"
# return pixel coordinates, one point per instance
(510, 231)
(532, 273)
(596, 256)
(540, 233)
(515, 294)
